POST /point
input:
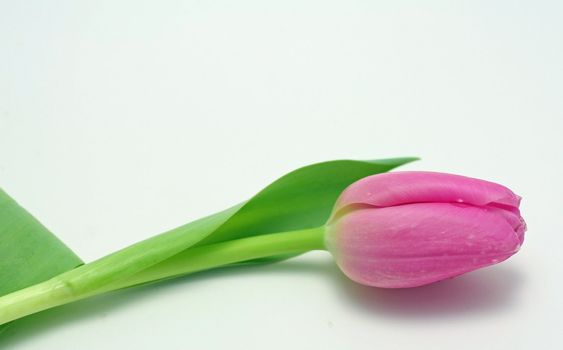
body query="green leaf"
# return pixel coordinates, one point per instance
(301, 199)
(29, 253)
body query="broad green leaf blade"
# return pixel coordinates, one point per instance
(298, 200)
(29, 253)
(301, 199)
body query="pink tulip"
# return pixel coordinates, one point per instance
(406, 229)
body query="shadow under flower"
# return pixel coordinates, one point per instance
(483, 291)
(490, 290)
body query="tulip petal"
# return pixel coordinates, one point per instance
(416, 244)
(405, 187)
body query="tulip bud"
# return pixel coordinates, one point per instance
(406, 229)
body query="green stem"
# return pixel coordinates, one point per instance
(69, 287)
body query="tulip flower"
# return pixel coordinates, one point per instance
(390, 230)
(406, 229)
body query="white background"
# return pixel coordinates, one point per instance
(121, 119)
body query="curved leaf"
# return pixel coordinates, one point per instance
(301, 199)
